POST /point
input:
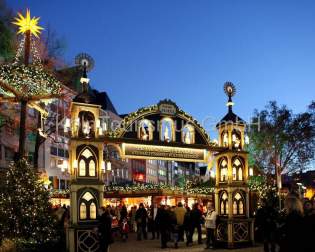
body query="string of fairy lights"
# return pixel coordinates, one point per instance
(24, 205)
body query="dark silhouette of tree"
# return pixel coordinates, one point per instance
(281, 140)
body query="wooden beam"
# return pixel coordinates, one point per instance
(45, 97)
(40, 109)
(9, 99)
(7, 87)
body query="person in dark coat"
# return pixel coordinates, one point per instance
(123, 213)
(156, 233)
(291, 232)
(196, 220)
(187, 224)
(309, 226)
(151, 223)
(105, 229)
(141, 219)
(173, 226)
(163, 222)
(267, 219)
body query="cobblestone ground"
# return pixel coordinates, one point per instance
(154, 246)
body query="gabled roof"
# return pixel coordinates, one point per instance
(231, 118)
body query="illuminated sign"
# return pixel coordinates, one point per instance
(141, 151)
(167, 108)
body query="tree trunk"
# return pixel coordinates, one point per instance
(22, 134)
(23, 115)
(38, 141)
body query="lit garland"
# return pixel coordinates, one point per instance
(29, 80)
(59, 193)
(132, 117)
(152, 187)
(33, 51)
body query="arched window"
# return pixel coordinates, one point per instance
(145, 130)
(236, 139)
(234, 173)
(237, 169)
(167, 130)
(87, 209)
(240, 173)
(223, 169)
(93, 211)
(83, 211)
(238, 204)
(92, 168)
(188, 134)
(87, 163)
(225, 139)
(224, 207)
(87, 124)
(82, 168)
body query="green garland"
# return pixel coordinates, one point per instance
(65, 193)
(59, 193)
(152, 187)
(29, 80)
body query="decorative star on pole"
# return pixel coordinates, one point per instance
(27, 82)
(28, 24)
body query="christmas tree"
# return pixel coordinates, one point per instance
(25, 210)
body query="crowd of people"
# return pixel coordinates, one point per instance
(170, 224)
(289, 230)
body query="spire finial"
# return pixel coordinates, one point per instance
(230, 91)
(86, 62)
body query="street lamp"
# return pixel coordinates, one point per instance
(64, 166)
(251, 171)
(212, 174)
(246, 139)
(108, 165)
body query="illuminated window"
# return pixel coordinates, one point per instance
(188, 134)
(238, 204)
(93, 211)
(92, 168)
(236, 139)
(234, 173)
(234, 207)
(223, 170)
(240, 173)
(87, 124)
(87, 163)
(87, 196)
(237, 168)
(145, 130)
(82, 211)
(225, 139)
(167, 130)
(87, 153)
(224, 208)
(87, 209)
(82, 168)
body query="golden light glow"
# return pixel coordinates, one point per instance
(28, 24)
(158, 152)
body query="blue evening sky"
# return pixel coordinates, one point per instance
(147, 50)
